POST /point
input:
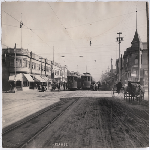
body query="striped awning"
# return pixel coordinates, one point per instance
(17, 78)
(29, 78)
(38, 78)
(44, 78)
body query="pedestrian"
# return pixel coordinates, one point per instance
(119, 86)
(98, 85)
(11, 87)
(58, 86)
(64, 85)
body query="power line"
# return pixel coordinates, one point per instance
(28, 28)
(102, 20)
(62, 25)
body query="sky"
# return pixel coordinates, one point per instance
(68, 28)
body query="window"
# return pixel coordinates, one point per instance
(18, 62)
(75, 78)
(84, 78)
(24, 62)
(34, 65)
(89, 78)
(37, 66)
(136, 61)
(11, 62)
(29, 64)
(70, 79)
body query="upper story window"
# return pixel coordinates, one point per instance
(24, 62)
(136, 60)
(11, 63)
(127, 60)
(39, 67)
(18, 62)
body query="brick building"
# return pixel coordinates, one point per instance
(130, 60)
(31, 70)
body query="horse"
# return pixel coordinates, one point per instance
(134, 91)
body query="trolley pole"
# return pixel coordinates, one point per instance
(119, 39)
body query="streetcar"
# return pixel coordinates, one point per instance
(86, 80)
(72, 82)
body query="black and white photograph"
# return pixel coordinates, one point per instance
(75, 74)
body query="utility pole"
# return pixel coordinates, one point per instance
(53, 54)
(111, 65)
(41, 66)
(119, 39)
(121, 67)
(15, 64)
(147, 13)
(21, 24)
(31, 62)
(45, 66)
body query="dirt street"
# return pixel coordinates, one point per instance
(98, 123)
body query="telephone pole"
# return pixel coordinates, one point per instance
(111, 64)
(119, 39)
(21, 24)
(53, 54)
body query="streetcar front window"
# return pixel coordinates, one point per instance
(70, 79)
(84, 78)
(75, 78)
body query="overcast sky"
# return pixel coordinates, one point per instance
(70, 27)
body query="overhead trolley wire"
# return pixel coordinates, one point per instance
(102, 20)
(27, 28)
(62, 25)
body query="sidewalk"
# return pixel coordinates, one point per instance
(121, 95)
(21, 104)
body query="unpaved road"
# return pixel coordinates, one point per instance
(97, 123)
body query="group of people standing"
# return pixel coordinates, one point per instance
(58, 85)
(95, 86)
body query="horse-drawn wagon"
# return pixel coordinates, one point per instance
(134, 91)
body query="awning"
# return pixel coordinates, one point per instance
(46, 79)
(28, 77)
(57, 77)
(37, 77)
(18, 77)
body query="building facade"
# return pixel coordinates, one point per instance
(26, 70)
(130, 62)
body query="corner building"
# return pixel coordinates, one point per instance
(29, 72)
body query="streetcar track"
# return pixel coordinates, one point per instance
(135, 115)
(130, 128)
(36, 116)
(43, 128)
(127, 126)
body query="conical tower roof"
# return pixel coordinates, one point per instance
(136, 38)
